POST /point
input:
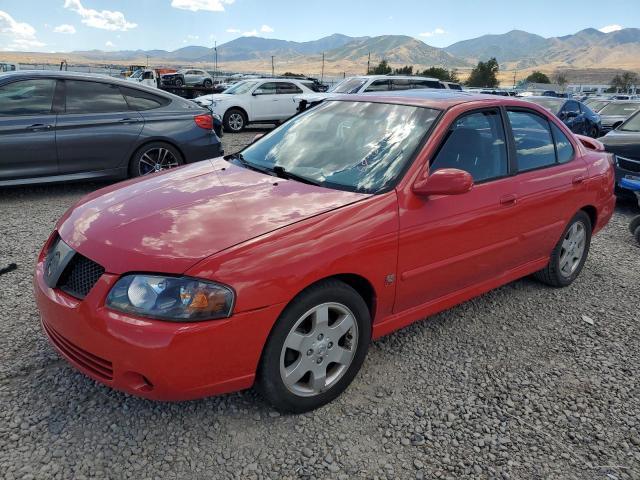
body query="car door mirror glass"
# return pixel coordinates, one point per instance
(446, 181)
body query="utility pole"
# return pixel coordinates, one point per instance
(515, 72)
(272, 66)
(215, 59)
(369, 64)
(322, 74)
(147, 61)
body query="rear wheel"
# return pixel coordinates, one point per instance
(637, 234)
(234, 120)
(570, 253)
(207, 83)
(154, 157)
(179, 82)
(316, 348)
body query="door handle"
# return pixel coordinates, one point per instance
(37, 127)
(578, 179)
(508, 200)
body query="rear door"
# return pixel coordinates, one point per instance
(287, 106)
(549, 176)
(27, 129)
(97, 130)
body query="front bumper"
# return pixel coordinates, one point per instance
(150, 358)
(625, 167)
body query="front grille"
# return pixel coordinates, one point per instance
(98, 366)
(80, 276)
(628, 164)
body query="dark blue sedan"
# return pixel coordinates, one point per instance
(576, 115)
(61, 126)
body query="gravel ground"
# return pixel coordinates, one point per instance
(515, 384)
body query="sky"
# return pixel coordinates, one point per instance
(68, 25)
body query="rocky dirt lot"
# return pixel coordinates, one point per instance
(524, 382)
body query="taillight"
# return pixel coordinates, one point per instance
(204, 121)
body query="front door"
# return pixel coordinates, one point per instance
(449, 243)
(27, 129)
(97, 131)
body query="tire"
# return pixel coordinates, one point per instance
(179, 82)
(637, 234)
(234, 120)
(207, 83)
(154, 157)
(593, 132)
(634, 225)
(313, 348)
(562, 271)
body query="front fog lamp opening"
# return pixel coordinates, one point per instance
(171, 298)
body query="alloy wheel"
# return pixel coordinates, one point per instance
(156, 160)
(572, 251)
(236, 121)
(319, 349)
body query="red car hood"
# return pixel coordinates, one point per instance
(168, 222)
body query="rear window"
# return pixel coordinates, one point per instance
(534, 143)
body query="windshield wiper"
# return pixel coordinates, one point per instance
(282, 173)
(251, 166)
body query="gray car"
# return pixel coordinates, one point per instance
(616, 112)
(62, 126)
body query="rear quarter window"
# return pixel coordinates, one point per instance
(139, 100)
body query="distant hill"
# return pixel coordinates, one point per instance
(511, 46)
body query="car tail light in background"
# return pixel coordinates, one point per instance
(204, 121)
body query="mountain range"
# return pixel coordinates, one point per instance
(515, 50)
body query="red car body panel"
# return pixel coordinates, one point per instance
(269, 239)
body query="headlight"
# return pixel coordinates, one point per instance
(180, 299)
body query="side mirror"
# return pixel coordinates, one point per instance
(447, 181)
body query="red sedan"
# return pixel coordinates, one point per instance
(278, 265)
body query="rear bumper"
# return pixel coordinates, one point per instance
(150, 358)
(203, 148)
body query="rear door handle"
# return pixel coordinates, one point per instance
(37, 127)
(507, 200)
(578, 179)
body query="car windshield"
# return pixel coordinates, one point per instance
(351, 85)
(596, 105)
(240, 88)
(136, 74)
(355, 146)
(631, 125)
(552, 104)
(624, 109)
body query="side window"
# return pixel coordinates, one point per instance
(94, 97)
(475, 143)
(285, 88)
(378, 86)
(400, 84)
(426, 84)
(28, 97)
(534, 143)
(268, 88)
(564, 149)
(139, 100)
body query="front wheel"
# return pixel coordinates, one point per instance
(179, 82)
(570, 253)
(207, 83)
(593, 132)
(316, 348)
(234, 121)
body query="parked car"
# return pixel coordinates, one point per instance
(624, 143)
(617, 112)
(149, 76)
(61, 126)
(575, 115)
(596, 104)
(267, 100)
(187, 77)
(9, 67)
(279, 264)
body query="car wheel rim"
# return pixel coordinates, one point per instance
(156, 160)
(572, 251)
(319, 349)
(236, 121)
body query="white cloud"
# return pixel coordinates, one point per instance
(103, 19)
(266, 29)
(18, 35)
(195, 5)
(193, 37)
(65, 28)
(433, 33)
(250, 33)
(233, 30)
(109, 44)
(611, 28)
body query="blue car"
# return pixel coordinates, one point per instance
(633, 186)
(62, 126)
(576, 115)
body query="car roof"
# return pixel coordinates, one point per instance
(431, 98)
(391, 77)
